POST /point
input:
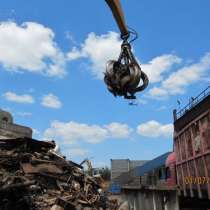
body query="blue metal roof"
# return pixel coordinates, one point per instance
(150, 165)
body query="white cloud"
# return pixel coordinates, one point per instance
(30, 47)
(159, 65)
(25, 98)
(141, 101)
(72, 132)
(24, 114)
(118, 130)
(158, 92)
(75, 152)
(7, 109)
(70, 37)
(99, 49)
(177, 82)
(155, 129)
(161, 108)
(35, 131)
(51, 101)
(75, 54)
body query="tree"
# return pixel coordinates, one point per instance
(105, 173)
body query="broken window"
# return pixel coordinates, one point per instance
(5, 120)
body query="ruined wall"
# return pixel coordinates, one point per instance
(10, 130)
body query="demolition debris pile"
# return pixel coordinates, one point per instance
(33, 176)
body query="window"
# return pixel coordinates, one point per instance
(168, 173)
(5, 120)
(160, 173)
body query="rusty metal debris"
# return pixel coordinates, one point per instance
(33, 177)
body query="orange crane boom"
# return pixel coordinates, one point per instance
(117, 12)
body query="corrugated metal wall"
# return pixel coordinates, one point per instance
(119, 166)
(151, 200)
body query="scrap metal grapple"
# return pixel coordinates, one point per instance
(124, 76)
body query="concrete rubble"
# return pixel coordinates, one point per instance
(33, 176)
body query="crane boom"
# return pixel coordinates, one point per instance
(117, 12)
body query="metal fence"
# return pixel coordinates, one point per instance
(193, 102)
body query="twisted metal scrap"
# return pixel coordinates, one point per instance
(123, 77)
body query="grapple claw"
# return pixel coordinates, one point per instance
(123, 76)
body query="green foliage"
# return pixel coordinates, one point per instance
(105, 173)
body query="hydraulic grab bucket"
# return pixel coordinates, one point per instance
(124, 77)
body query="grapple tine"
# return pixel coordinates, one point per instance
(123, 76)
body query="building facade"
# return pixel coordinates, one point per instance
(120, 166)
(8, 129)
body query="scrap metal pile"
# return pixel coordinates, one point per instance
(33, 176)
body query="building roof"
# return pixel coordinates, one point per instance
(150, 165)
(137, 163)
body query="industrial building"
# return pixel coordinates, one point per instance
(178, 180)
(8, 129)
(147, 187)
(120, 166)
(120, 172)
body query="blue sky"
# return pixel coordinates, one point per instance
(52, 56)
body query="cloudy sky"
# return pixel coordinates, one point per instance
(52, 59)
